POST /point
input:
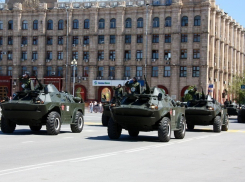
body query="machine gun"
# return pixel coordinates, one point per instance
(148, 90)
(39, 83)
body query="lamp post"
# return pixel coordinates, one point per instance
(67, 39)
(146, 33)
(74, 64)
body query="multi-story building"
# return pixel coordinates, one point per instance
(176, 43)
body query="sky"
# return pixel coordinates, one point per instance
(234, 8)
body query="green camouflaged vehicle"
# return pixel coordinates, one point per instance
(44, 105)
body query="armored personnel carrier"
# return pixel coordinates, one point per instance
(205, 110)
(151, 110)
(232, 110)
(44, 105)
(241, 115)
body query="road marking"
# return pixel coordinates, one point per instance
(27, 142)
(236, 131)
(92, 123)
(68, 137)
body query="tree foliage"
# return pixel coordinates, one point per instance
(235, 89)
(30, 4)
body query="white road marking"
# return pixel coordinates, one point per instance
(27, 142)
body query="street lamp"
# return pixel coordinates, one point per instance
(74, 64)
(67, 39)
(146, 33)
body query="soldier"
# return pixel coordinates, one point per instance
(227, 103)
(118, 91)
(193, 93)
(133, 83)
(26, 81)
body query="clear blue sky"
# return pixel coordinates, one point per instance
(234, 8)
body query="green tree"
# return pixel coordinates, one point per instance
(235, 89)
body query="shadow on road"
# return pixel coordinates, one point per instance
(29, 132)
(201, 130)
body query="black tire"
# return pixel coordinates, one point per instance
(114, 130)
(164, 130)
(190, 126)
(239, 119)
(77, 126)
(35, 128)
(105, 120)
(7, 126)
(180, 134)
(53, 123)
(217, 124)
(133, 133)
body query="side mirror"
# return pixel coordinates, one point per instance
(159, 96)
(46, 89)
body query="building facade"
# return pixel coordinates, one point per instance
(175, 43)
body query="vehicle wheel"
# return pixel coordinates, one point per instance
(217, 124)
(239, 119)
(35, 128)
(78, 124)
(180, 134)
(164, 130)
(7, 126)
(105, 120)
(133, 133)
(190, 126)
(114, 130)
(53, 123)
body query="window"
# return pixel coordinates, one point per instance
(140, 23)
(168, 2)
(85, 71)
(86, 24)
(112, 39)
(60, 55)
(101, 24)
(127, 39)
(50, 25)
(1, 25)
(128, 23)
(60, 40)
(155, 38)
(23, 70)
(85, 55)
(34, 71)
(112, 71)
(100, 55)
(167, 71)
(75, 55)
(139, 54)
(100, 71)
(101, 39)
(112, 55)
(24, 55)
(139, 38)
(24, 25)
(113, 23)
(167, 54)
(49, 55)
(139, 71)
(156, 23)
(195, 71)
(60, 71)
(34, 55)
(183, 54)
(184, 37)
(167, 38)
(154, 71)
(75, 24)
(127, 71)
(183, 71)
(75, 40)
(49, 40)
(86, 40)
(197, 20)
(155, 54)
(10, 70)
(184, 21)
(35, 40)
(127, 55)
(168, 22)
(35, 25)
(156, 2)
(24, 40)
(49, 71)
(10, 40)
(196, 38)
(10, 55)
(196, 54)
(1, 40)
(10, 25)
(60, 24)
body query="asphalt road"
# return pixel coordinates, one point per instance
(91, 156)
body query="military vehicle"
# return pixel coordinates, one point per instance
(232, 110)
(241, 115)
(43, 105)
(205, 110)
(152, 110)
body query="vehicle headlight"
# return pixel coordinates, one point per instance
(153, 106)
(133, 89)
(38, 101)
(210, 108)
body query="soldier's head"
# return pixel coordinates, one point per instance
(119, 85)
(134, 79)
(26, 75)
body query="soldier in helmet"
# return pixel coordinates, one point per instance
(133, 84)
(193, 93)
(118, 91)
(26, 81)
